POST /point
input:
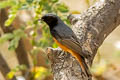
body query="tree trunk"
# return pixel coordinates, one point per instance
(91, 27)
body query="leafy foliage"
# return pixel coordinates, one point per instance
(38, 8)
(13, 37)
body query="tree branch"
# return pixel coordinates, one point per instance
(91, 27)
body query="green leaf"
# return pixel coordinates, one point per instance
(24, 7)
(12, 14)
(14, 43)
(33, 42)
(62, 8)
(29, 1)
(54, 1)
(10, 19)
(47, 8)
(19, 33)
(4, 4)
(6, 37)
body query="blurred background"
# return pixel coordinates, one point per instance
(23, 40)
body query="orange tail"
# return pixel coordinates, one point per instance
(82, 63)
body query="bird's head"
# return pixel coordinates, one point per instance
(50, 19)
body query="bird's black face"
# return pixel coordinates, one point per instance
(50, 19)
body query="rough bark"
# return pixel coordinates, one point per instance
(91, 27)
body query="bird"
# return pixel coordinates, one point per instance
(66, 39)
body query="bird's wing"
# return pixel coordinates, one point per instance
(72, 44)
(68, 39)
